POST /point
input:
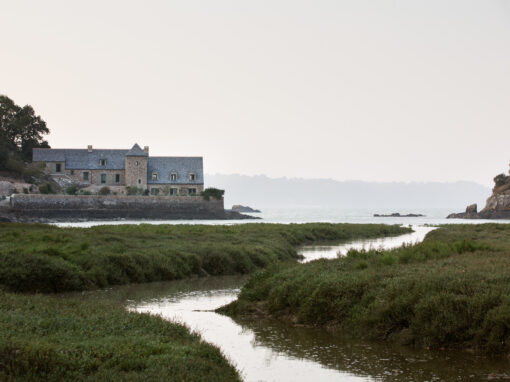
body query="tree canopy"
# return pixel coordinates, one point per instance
(21, 130)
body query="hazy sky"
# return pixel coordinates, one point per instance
(370, 90)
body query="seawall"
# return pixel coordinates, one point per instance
(95, 207)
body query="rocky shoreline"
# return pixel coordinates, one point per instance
(497, 205)
(10, 216)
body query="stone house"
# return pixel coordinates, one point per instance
(119, 169)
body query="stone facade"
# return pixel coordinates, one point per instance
(96, 177)
(174, 190)
(136, 171)
(92, 168)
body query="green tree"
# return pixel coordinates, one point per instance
(21, 130)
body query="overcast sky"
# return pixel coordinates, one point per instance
(369, 90)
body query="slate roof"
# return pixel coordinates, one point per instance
(182, 166)
(136, 151)
(82, 159)
(48, 155)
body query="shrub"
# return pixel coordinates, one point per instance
(71, 190)
(25, 190)
(46, 188)
(501, 180)
(104, 191)
(134, 191)
(212, 193)
(16, 166)
(33, 170)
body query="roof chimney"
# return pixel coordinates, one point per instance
(89, 148)
(146, 149)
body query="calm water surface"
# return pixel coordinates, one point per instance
(266, 350)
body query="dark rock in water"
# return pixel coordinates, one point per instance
(240, 208)
(397, 215)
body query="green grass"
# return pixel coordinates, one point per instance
(452, 290)
(50, 338)
(55, 338)
(48, 259)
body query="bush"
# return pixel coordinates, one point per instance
(104, 191)
(25, 190)
(501, 180)
(46, 188)
(33, 170)
(15, 166)
(134, 191)
(85, 192)
(212, 193)
(71, 190)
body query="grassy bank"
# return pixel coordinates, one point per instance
(452, 290)
(54, 338)
(43, 258)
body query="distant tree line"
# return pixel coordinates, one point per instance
(21, 130)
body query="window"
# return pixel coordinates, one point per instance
(86, 176)
(192, 191)
(173, 176)
(58, 167)
(154, 176)
(117, 178)
(173, 191)
(72, 172)
(139, 181)
(102, 162)
(103, 178)
(192, 177)
(137, 163)
(154, 191)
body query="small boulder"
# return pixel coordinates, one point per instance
(6, 189)
(473, 208)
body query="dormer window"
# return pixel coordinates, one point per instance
(192, 176)
(102, 162)
(154, 176)
(173, 176)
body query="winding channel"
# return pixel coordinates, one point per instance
(266, 350)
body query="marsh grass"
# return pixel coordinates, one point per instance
(452, 290)
(48, 259)
(54, 338)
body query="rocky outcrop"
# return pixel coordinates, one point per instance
(497, 205)
(6, 189)
(397, 215)
(240, 208)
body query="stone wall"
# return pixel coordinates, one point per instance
(182, 189)
(90, 207)
(136, 171)
(95, 177)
